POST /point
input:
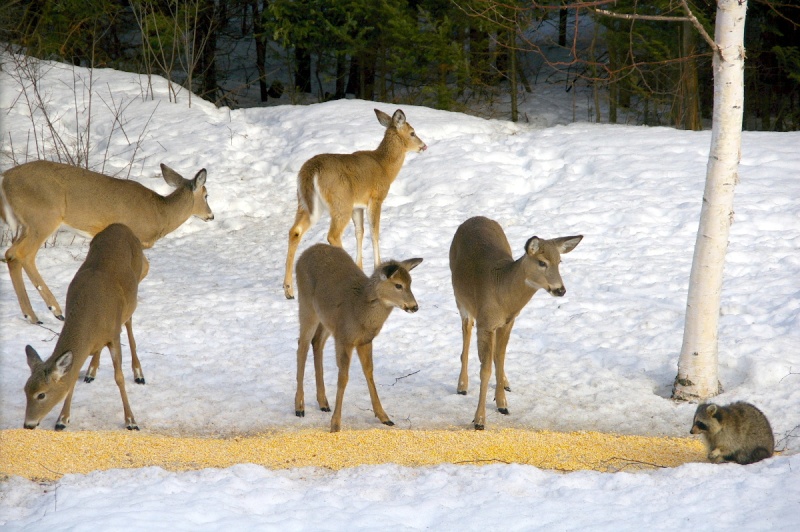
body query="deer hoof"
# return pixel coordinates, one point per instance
(60, 426)
(33, 320)
(503, 410)
(88, 379)
(59, 317)
(478, 427)
(325, 408)
(300, 413)
(132, 427)
(287, 291)
(389, 422)
(460, 392)
(507, 388)
(139, 380)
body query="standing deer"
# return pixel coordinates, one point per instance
(36, 198)
(336, 297)
(346, 184)
(100, 299)
(491, 288)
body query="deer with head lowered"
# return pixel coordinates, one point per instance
(36, 198)
(491, 288)
(346, 184)
(336, 297)
(100, 299)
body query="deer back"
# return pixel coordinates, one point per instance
(100, 299)
(89, 201)
(367, 174)
(489, 284)
(352, 306)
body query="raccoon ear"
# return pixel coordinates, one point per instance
(711, 410)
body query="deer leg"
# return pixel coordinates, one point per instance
(358, 224)
(91, 372)
(138, 375)
(302, 221)
(116, 357)
(308, 324)
(33, 274)
(375, 228)
(63, 417)
(318, 345)
(466, 334)
(365, 355)
(486, 342)
(501, 341)
(22, 250)
(343, 356)
(338, 225)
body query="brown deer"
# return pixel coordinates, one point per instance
(100, 299)
(36, 198)
(491, 288)
(336, 297)
(346, 184)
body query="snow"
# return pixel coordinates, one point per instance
(217, 339)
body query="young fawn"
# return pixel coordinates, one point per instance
(491, 288)
(36, 198)
(100, 299)
(346, 184)
(336, 297)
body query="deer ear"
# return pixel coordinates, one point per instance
(398, 118)
(33, 357)
(532, 245)
(389, 270)
(173, 178)
(63, 363)
(410, 264)
(199, 179)
(383, 118)
(567, 243)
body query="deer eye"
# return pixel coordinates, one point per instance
(41, 396)
(413, 134)
(542, 264)
(398, 286)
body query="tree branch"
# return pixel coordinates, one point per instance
(664, 18)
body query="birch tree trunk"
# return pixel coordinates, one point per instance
(697, 376)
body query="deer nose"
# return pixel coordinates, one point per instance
(558, 292)
(412, 309)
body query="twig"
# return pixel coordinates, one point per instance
(790, 373)
(399, 378)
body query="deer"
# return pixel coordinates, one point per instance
(346, 185)
(100, 299)
(336, 297)
(38, 197)
(491, 288)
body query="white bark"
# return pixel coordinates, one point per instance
(697, 367)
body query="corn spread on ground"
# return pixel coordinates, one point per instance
(48, 455)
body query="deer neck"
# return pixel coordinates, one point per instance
(174, 209)
(391, 153)
(511, 286)
(373, 312)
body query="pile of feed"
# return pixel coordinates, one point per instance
(48, 455)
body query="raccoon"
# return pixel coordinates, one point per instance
(737, 433)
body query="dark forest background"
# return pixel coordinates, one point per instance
(448, 54)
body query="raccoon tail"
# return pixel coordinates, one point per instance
(744, 457)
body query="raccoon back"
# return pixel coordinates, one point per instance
(743, 430)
